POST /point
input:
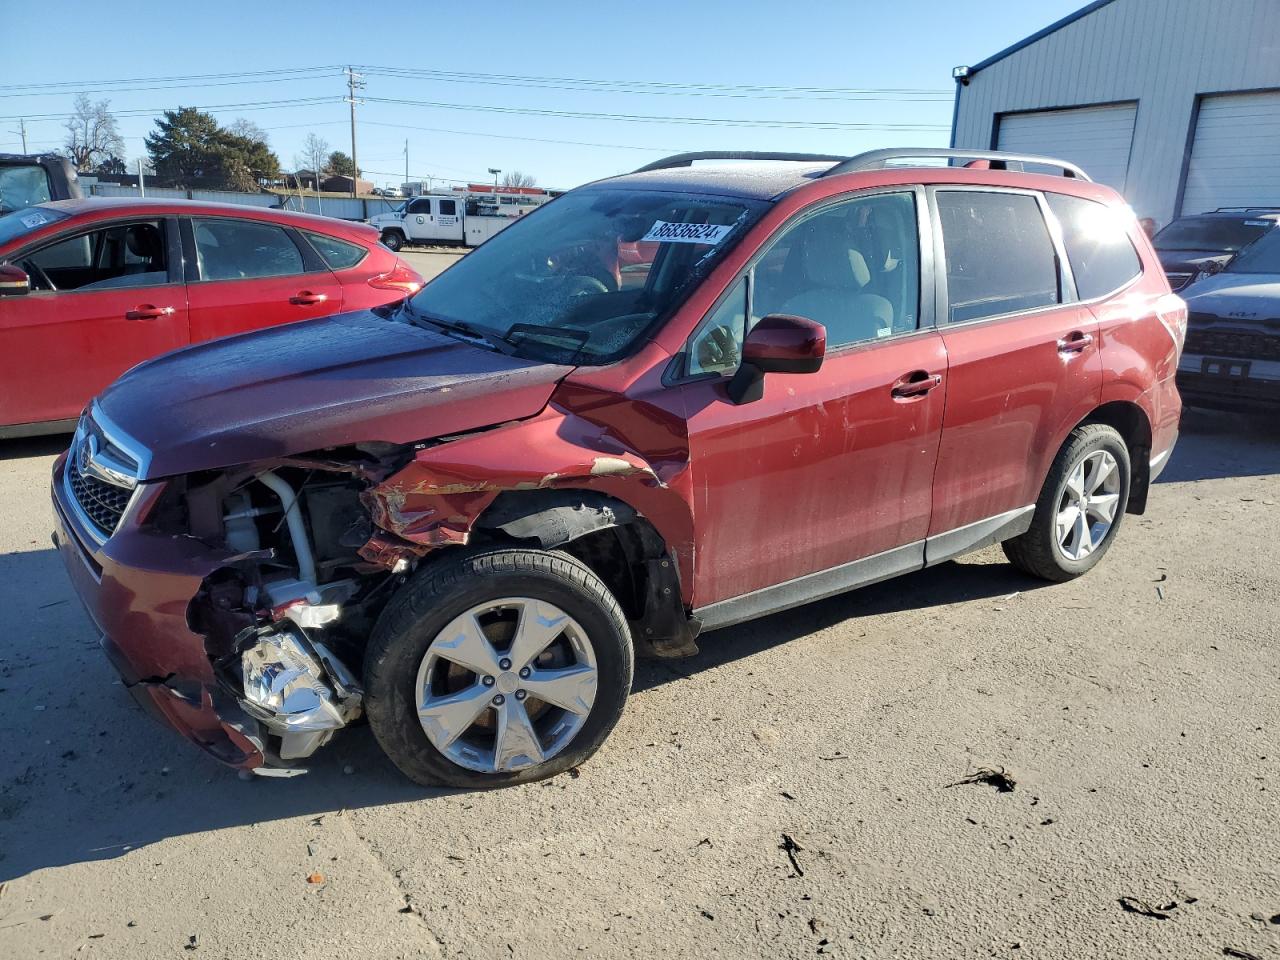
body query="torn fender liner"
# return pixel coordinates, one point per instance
(562, 516)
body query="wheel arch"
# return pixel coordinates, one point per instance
(1134, 426)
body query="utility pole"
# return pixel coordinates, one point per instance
(142, 187)
(354, 82)
(406, 163)
(22, 128)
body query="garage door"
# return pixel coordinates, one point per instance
(1235, 156)
(1096, 138)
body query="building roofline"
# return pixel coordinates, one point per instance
(1040, 35)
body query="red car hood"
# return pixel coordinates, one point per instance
(320, 383)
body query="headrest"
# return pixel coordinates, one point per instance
(828, 259)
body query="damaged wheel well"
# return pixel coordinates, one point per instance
(617, 543)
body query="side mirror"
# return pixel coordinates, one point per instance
(779, 343)
(14, 281)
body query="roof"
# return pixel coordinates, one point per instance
(1040, 34)
(108, 206)
(755, 181)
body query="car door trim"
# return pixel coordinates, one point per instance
(865, 571)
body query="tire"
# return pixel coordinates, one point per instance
(1040, 551)
(409, 630)
(393, 240)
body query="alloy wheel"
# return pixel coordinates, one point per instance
(506, 685)
(1087, 508)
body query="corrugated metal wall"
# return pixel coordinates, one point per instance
(1162, 53)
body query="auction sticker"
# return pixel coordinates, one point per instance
(664, 232)
(33, 220)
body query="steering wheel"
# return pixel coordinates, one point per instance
(34, 269)
(580, 285)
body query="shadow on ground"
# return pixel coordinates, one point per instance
(86, 775)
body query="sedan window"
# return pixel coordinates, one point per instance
(122, 255)
(228, 249)
(337, 254)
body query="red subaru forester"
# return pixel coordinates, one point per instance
(463, 515)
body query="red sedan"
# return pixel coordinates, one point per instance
(88, 288)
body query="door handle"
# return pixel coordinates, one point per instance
(306, 297)
(915, 384)
(145, 311)
(1075, 342)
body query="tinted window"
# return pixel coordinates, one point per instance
(448, 208)
(239, 249)
(1098, 246)
(1262, 257)
(854, 268)
(338, 254)
(420, 206)
(123, 255)
(999, 255)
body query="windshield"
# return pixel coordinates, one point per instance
(584, 278)
(23, 186)
(1262, 257)
(20, 222)
(1221, 234)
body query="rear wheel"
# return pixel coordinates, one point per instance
(392, 239)
(1080, 507)
(498, 667)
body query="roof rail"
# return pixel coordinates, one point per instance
(1263, 209)
(878, 159)
(687, 159)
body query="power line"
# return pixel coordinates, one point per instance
(649, 118)
(505, 136)
(211, 108)
(238, 75)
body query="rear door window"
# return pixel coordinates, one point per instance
(448, 208)
(229, 249)
(1098, 246)
(999, 255)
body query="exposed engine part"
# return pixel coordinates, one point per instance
(297, 688)
(306, 604)
(297, 525)
(240, 530)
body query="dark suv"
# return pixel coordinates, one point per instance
(1202, 245)
(661, 404)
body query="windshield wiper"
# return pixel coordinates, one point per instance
(522, 332)
(467, 330)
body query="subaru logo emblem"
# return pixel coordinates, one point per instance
(87, 453)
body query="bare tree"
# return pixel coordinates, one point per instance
(91, 133)
(314, 156)
(243, 127)
(517, 179)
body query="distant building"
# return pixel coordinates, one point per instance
(1175, 103)
(343, 185)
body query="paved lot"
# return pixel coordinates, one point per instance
(1137, 710)
(430, 263)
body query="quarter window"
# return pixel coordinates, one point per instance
(228, 249)
(337, 254)
(717, 345)
(448, 208)
(1098, 245)
(999, 256)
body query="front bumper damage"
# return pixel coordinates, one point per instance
(270, 699)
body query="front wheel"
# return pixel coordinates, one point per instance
(497, 667)
(1080, 507)
(393, 240)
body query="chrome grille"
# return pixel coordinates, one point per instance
(103, 503)
(1223, 343)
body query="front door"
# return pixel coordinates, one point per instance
(833, 467)
(101, 301)
(250, 274)
(1024, 361)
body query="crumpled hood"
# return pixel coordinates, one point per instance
(1243, 298)
(318, 383)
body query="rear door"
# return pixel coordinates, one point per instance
(1023, 359)
(248, 274)
(102, 300)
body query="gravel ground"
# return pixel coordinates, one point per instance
(792, 791)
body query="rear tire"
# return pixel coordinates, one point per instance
(1064, 540)
(412, 663)
(393, 240)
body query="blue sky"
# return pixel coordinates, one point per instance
(856, 45)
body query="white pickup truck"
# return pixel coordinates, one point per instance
(438, 220)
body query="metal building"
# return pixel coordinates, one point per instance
(1176, 103)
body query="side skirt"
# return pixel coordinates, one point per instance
(860, 573)
(41, 429)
